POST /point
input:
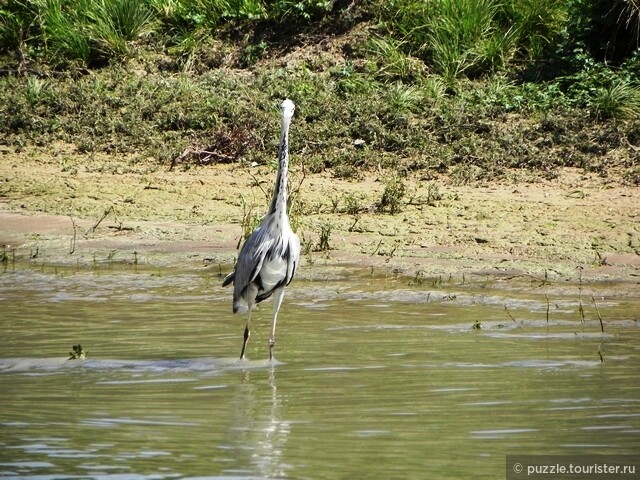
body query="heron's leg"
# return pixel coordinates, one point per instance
(250, 297)
(277, 301)
(247, 334)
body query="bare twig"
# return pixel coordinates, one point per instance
(106, 213)
(294, 192)
(72, 246)
(377, 248)
(355, 222)
(507, 310)
(257, 184)
(247, 215)
(547, 297)
(392, 252)
(581, 307)
(598, 312)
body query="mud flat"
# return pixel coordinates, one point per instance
(574, 227)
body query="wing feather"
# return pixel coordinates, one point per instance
(268, 259)
(250, 261)
(228, 279)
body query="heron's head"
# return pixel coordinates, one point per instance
(288, 108)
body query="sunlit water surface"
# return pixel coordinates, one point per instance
(374, 379)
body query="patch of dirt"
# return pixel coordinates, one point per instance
(55, 209)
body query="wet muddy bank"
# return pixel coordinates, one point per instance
(51, 244)
(574, 228)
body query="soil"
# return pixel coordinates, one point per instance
(60, 207)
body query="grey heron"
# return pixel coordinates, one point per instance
(269, 257)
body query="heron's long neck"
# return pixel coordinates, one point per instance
(279, 200)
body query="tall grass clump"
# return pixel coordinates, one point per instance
(49, 29)
(458, 32)
(83, 31)
(455, 37)
(475, 37)
(619, 101)
(114, 24)
(537, 24)
(63, 30)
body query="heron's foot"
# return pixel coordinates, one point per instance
(272, 343)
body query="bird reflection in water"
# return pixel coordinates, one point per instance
(259, 432)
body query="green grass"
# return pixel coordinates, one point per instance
(469, 89)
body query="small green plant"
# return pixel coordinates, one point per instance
(403, 98)
(433, 194)
(250, 221)
(434, 88)
(394, 191)
(253, 53)
(393, 63)
(346, 170)
(419, 278)
(335, 201)
(477, 325)
(325, 235)
(77, 353)
(35, 89)
(353, 204)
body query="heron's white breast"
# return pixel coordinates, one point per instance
(273, 272)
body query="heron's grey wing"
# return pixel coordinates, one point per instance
(243, 258)
(250, 260)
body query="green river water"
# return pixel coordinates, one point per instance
(374, 378)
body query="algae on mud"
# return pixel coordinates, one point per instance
(546, 228)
